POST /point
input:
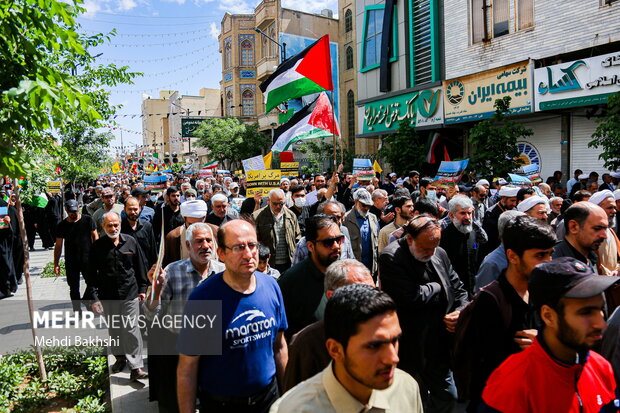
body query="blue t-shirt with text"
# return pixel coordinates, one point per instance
(250, 325)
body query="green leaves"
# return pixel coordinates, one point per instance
(404, 150)
(607, 134)
(494, 141)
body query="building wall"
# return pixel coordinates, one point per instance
(560, 26)
(153, 131)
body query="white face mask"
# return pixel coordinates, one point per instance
(300, 202)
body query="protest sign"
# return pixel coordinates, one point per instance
(363, 169)
(450, 172)
(255, 163)
(155, 183)
(289, 168)
(262, 181)
(518, 179)
(531, 172)
(53, 187)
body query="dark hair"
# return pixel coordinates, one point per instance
(593, 174)
(525, 233)
(263, 252)
(565, 205)
(316, 223)
(524, 191)
(247, 206)
(413, 173)
(580, 195)
(398, 202)
(424, 182)
(171, 190)
(577, 171)
(297, 188)
(417, 225)
(426, 206)
(578, 213)
(352, 305)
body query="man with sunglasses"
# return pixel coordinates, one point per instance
(109, 204)
(302, 285)
(277, 228)
(253, 351)
(479, 198)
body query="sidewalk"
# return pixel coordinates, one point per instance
(126, 396)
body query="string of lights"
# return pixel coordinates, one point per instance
(164, 87)
(178, 69)
(149, 24)
(185, 41)
(207, 29)
(154, 17)
(156, 59)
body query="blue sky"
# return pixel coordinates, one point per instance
(173, 42)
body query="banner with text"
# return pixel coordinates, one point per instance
(472, 97)
(155, 183)
(289, 168)
(262, 181)
(450, 173)
(255, 163)
(579, 83)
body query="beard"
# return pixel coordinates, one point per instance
(418, 256)
(570, 338)
(112, 234)
(463, 228)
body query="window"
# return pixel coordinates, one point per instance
(230, 108)
(501, 17)
(247, 53)
(371, 41)
(247, 100)
(227, 52)
(351, 120)
(272, 45)
(525, 13)
(422, 56)
(491, 18)
(349, 56)
(348, 21)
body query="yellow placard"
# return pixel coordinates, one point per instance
(53, 186)
(262, 181)
(289, 168)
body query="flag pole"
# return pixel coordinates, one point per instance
(331, 98)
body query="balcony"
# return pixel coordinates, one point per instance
(265, 67)
(265, 13)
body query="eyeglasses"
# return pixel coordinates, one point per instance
(239, 248)
(107, 196)
(277, 203)
(329, 242)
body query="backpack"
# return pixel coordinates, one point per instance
(463, 352)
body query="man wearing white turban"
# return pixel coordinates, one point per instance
(608, 250)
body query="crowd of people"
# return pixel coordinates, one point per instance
(337, 294)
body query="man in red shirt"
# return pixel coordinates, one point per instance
(559, 372)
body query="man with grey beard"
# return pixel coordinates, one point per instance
(461, 237)
(118, 280)
(429, 297)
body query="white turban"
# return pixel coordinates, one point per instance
(530, 203)
(482, 182)
(617, 194)
(600, 196)
(509, 191)
(583, 176)
(194, 209)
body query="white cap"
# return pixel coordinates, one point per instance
(483, 182)
(530, 203)
(617, 194)
(583, 176)
(363, 196)
(194, 209)
(400, 181)
(509, 191)
(615, 174)
(392, 174)
(600, 196)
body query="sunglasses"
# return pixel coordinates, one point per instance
(329, 242)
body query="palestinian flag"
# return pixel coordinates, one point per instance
(315, 120)
(38, 200)
(210, 165)
(309, 71)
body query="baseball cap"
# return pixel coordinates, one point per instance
(565, 277)
(363, 196)
(191, 191)
(233, 185)
(71, 205)
(139, 191)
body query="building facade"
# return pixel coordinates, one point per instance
(565, 53)
(154, 124)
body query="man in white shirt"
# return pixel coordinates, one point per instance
(362, 332)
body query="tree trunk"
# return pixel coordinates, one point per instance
(22, 231)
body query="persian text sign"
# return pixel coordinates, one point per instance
(450, 172)
(289, 168)
(189, 125)
(472, 97)
(420, 108)
(580, 83)
(255, 163)
(262, 181)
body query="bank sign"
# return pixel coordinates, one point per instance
(579, 83)
(420, 108)
(471, 98)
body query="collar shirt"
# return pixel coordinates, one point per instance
(181, 279)
(565, 249)
(324, 393)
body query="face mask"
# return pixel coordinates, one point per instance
(432, 195)
(300, 202)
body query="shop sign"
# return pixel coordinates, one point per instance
(579, 83)
(189, 125)
(471, 98)
(420, 108)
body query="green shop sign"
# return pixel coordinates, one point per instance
(188, 125)
(420, 108)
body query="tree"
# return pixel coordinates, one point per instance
(607, 134)
(230, 139)
(495, 152)
(404, 150)
(320, 156)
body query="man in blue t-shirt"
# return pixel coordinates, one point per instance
(254, 352)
